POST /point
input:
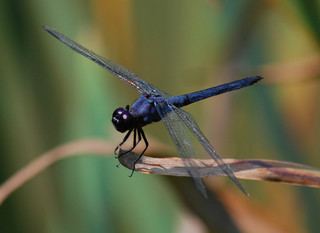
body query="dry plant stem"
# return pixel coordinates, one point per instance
(267, 170)
(75, 148)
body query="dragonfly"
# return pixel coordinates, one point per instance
(154, 105)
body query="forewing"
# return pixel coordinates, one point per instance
(142, 86)
(182, 140)
(187, 120)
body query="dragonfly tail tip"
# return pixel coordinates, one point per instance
(252, 80)
(257, 78)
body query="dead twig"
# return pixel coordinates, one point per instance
(250, 169)
(269, 170)
(76, 148)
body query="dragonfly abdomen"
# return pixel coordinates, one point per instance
(186, 99)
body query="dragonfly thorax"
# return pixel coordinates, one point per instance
(122, 119)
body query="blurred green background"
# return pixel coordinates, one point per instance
(50, 95)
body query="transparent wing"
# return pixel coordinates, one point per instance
(142, 86)
(187, 120)
(182, 140)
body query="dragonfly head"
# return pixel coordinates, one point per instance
(122, 119)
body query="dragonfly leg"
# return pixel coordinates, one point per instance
(140, 133)
(123, 141)
(135, 142)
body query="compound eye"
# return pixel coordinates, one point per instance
(122, 119)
